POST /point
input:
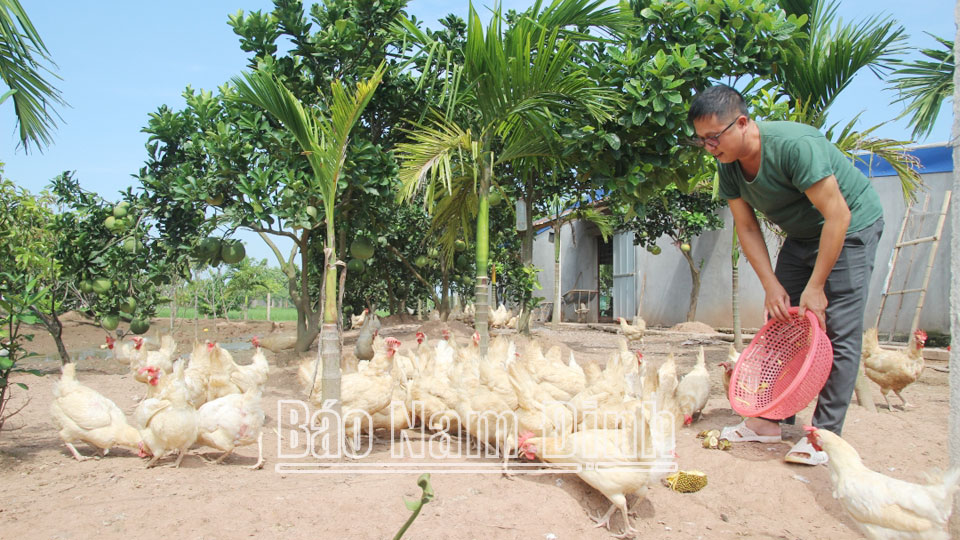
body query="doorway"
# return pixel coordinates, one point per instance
(605, 280)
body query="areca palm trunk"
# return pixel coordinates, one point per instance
(483, 252)
(557, 311)
(330, 335)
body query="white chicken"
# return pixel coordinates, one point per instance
(229, 422)
(356, 321)
(609, 457)
(157, 363)
(886, 508)
(83, 414)
(123, 353)
(694, 389)
(168, 422)
(254, 375)
(633, 332)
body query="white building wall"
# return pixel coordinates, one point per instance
(664, 282)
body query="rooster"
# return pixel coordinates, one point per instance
(83, 414)
(892, 370)
(886, 508)
(694, 390)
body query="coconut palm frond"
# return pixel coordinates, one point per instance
(25, 68)
(858, 144)
(924, 85)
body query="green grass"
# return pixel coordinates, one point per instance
(253, 314)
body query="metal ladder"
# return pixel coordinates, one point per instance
(901, 243)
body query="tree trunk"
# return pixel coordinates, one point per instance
(735, 288)
(483, 252)
(557, 311)
(695, 293)
(196, 315)
(173, 304)
(246, 305)
(330, 353)
(391, 298)
(526, 257)
(269, 304)
(482, 316)
(55, 328)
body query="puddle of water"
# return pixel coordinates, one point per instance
(236, 346)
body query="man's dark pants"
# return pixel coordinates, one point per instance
(846, 290)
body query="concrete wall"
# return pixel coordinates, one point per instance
(665, 281)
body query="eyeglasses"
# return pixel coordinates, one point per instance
(712, 141)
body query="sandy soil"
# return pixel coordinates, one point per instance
(752, 493)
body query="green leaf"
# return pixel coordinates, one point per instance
(413, 505)
(613, 140)
(21, 385)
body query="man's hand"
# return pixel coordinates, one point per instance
(814, 299)
(777, 302)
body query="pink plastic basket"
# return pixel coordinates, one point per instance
(783, 369)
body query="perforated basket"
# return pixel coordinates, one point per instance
(783, 369)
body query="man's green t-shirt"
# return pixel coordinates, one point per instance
(794, 157)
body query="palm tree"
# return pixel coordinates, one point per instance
(499, 108)
(828, 57)
(324, 143)
(924, 85)
(22, 59)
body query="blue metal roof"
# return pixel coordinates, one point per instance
(933, 159)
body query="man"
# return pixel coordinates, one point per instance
(832, 219)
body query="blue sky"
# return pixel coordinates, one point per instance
(121, 60)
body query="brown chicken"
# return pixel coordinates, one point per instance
(892, 370)
(886, 508)
(728, 365)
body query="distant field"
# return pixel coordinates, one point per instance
(253, 314)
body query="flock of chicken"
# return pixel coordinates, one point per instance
(522, 403)
(209, 399)
(530, 403)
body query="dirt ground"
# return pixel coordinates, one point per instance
(751, 493)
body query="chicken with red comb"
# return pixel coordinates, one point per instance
(886, 508)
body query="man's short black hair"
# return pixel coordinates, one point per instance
(720, 100)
